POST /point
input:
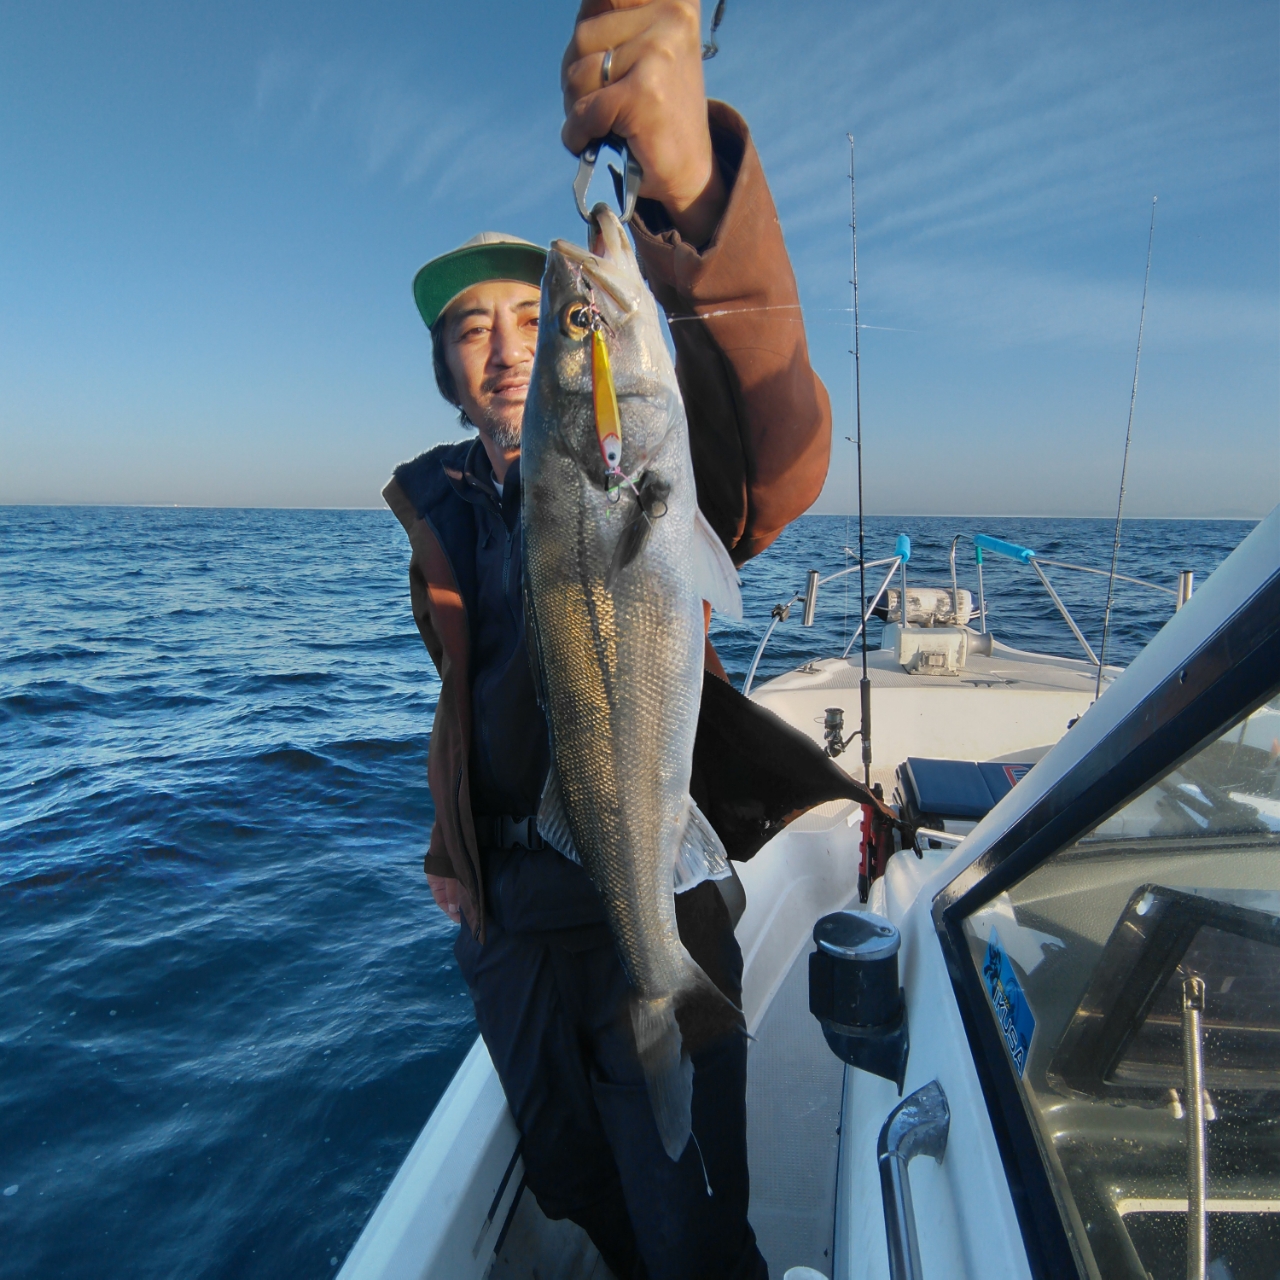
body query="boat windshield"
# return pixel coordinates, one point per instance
(1134, 978)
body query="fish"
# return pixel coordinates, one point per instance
(617, 561)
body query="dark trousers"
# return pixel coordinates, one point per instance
(552, 1003)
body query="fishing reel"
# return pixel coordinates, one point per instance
(833, 732)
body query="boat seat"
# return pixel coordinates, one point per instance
(965, 789)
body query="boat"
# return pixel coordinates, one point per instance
(1033, 1032)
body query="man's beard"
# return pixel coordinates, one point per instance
(502, 431)
(500, 428)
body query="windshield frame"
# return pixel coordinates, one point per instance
(1228, 676)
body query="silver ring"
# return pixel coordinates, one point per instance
(605, 67)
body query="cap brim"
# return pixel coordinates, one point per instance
(443, 278)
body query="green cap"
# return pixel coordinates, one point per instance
(488, 256)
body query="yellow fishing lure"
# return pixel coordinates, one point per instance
(608, 419)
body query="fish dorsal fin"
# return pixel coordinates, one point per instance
(713, 573)
(553, 822)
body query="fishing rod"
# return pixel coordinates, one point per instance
(1124, 465)
(864, 685)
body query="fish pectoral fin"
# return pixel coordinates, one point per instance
(713, 572)
(553, 822)
(701, 855)
(630, 544)
(651, 504)
(668, 1072)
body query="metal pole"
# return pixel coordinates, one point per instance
(1186, 584)
(1197, 1153)
(1062, 609)
(780, 613)
(871, 608)
(982, 596)
(955, 590)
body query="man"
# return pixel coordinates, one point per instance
(534, 948)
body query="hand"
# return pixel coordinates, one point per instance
(448, 895)
(655, 99)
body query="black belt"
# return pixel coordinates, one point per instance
(506, 832)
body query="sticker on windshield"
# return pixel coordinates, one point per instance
(1016, 772)
(1017, 1022)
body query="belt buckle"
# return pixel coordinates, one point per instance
(516, 833)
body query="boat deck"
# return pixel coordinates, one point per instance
(794, 1089)
(1007, 701)
(460, 1190)
(1003, 667)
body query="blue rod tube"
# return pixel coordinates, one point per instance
(986, 542)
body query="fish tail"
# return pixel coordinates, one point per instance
(707, 1015)
(668, 1073)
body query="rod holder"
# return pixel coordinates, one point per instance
(1186, 584)
(854, 992)
(864, 690)
(810, 599)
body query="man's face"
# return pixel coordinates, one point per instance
(490, 335)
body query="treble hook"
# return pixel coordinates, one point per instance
(628, 188)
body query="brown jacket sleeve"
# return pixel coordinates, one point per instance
(759, 418)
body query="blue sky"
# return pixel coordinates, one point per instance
(210, 216)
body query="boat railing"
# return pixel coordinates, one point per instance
(981, 542)
(781, 612)
(1025, 555)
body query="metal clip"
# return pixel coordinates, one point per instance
(628, 188)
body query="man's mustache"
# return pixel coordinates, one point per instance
(522, 372)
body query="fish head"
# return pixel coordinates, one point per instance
(591, 296)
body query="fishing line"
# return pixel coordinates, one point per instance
(1124, 466)
(705, 1179)
(844, 630)
(808, 315)
(864, 685)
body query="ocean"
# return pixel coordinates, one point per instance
(227, 1002)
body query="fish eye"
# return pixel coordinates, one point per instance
(575, 321)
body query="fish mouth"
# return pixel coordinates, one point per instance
(612, 270)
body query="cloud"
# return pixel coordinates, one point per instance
(1007, 157)
(1001, 117)
(380, 122)
(1005, 306)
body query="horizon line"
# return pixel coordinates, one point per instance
(851, 515)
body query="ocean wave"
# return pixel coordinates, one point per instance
(228, 1002)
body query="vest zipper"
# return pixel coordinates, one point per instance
(506, 569)
(478, 897)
